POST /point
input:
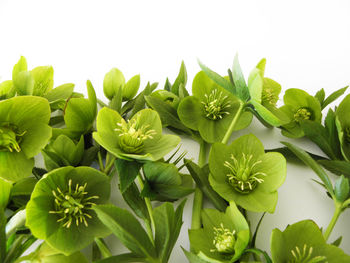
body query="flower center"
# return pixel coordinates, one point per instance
(305, 256)
(73, 205)
(132, 135)
(242, 176)
(224, 240)
(216, 105)
(269, 97)
(302, 114)
(10, 138)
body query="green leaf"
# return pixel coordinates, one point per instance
(126, 227)
(61, 92)
(7, 90)
(336, 167)
(24, 83)
(19, 67)
(267, 115)
(221, 81)
(167, 85)
(333, 137)
(337, 241)
(43, 80)
(168, 115)
(320, 96)
(131, 87)
(319, 135)
(307, 159)
(238, 78)
(193, 258)
(116, 101)
(333, 97)
(5, 190)
(2, 235)
(127, 171)
(200, 176)
(341, 189)
(140, 99)
(181, 79)
(255, 85)
(113, 80)
(9, 168)
(167, 228)
(133, 198)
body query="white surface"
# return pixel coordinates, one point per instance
(306, 44)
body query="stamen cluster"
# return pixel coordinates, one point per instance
(302, 114)
(224, 240)
(268, 96)
(73, 205)
(10, 138)
(243, 177)
(132, 135)
(305, 255)
(216, 105)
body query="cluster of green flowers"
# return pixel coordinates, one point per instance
(85, 143)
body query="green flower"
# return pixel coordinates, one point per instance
(60, 208)
(303, 242)
(343, 126)
(211, 109)
(139, 138)
(299, 106)
(244, 173)
(24, 131)
(224, 236)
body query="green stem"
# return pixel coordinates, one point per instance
(198, 195)
(100, 162)
(337, 212)
(109, 163)
(150, 212)
(105, 252)
(233, 123)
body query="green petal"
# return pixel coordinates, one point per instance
(35, 139)
(219, 153)
(148, 117)
(303, 233)
(274, 166)
(15, 166)
(202, 85)
(248, 144)
(162, 147)
(257, 201)
(190, 112)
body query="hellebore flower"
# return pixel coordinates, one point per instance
(60, 208)
(139, 138)
(244, 173)
(343, 126)
(24, 131)
(224, 236)
(299, 106)
(211, 109)
(303, 242)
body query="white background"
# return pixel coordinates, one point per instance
(306, 44)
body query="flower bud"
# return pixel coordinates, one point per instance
(113, 80)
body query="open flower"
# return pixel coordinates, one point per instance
(139, 138)
(224, 236)
(60, 208)
(303, 242)
(343, 126)
(211, 109)
(24, 131)
(299, 106)
(244, 173)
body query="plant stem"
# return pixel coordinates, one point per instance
(109, 163)
(100, 162)
(233, 123)
(337, 212)
(150, 212)
(105, 252)
(198, 195)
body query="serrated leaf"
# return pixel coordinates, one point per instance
(307, 159)
(181, 79)
(127, 171)
(168, 224)
(238, 78)
(318, 134)
(127, 228)
(221, 81)
(133, 198)
(320, 95)
(333, 97)
(140, 101)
